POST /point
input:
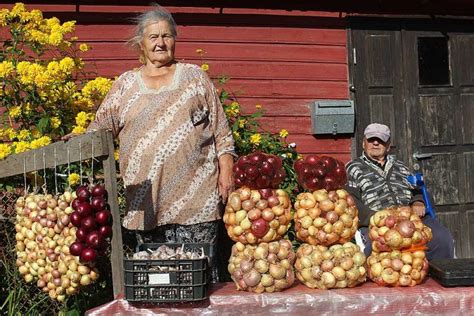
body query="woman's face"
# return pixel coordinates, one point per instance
(158, 43)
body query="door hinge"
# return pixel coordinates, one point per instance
(354, 56)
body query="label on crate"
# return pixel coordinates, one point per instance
(158, 278)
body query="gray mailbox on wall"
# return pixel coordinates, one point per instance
(332, 117)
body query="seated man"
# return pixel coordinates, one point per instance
(378, 181)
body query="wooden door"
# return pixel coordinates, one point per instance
(431, 110)
(378, 82)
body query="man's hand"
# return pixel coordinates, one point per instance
(419, 208)
(226, 178)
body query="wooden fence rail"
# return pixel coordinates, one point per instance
(98, 145)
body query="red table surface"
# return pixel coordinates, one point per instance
(427, 298)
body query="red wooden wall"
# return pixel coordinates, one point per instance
(283, 60)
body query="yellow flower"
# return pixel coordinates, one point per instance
(199, 51)
(37, 36)
(258, 106)
(28, 107)
(299, 156)
(97, 88)
(6, 68)
(36, 16)
(42, 79)
(3, 17)
(116, 155)
(68, 26)
(21, 147)
(29, 71)
(40, 142)
(83, 47)
(233, 109)
(67, 65)
(82, 119)
(283, 133)
(242, 123)
(91, 116)
(53, 68)
(22, 67)
(205, 67)
(236, 134)
(73, 179)
(15, 111)
(55, 38)
(10, 133)
(255, 138)
(5, 150)
(24, 134)
(78, 130)
(52, 22)
(17, 9)
(55, 122)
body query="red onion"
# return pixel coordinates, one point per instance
(83, 193)
(98, 190)
(76, 248)
(88, 255)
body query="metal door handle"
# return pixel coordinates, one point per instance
(421, 156)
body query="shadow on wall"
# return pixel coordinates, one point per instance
(207, 19)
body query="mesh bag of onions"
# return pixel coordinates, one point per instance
(325, 218)
(398, 229)
(259, 171)
(44, 235)
(254, 216)
(338, 266)
(323, 172)
(398, 268)
(267, 267)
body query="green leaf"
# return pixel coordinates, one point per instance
(72, 312)
(43, 124)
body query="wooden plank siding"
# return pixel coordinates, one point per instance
(283, 60)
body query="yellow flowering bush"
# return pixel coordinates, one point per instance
(43, 89)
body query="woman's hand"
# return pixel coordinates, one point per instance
(226, 178)
(418, 208)
(68, 136)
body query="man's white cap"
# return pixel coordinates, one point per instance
(380, 131)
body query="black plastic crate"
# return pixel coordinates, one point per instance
(453, 272)
(167, 281)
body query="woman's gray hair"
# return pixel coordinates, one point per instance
(157, 14)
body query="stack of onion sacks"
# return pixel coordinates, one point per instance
(338, 266)
(253, 213)
(325, 218)
(399, 240)
(397, 229)
(397, 268)
(44, 235)
(266, 267)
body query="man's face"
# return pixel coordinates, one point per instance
(376, 148)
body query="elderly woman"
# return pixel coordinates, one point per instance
(176, 149)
